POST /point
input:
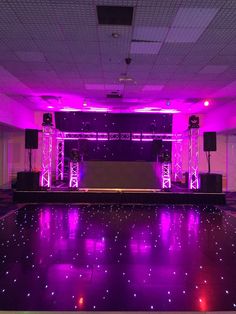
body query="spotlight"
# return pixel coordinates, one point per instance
(206, 103)
(115, 35)
(164, 157)
(47, 119)
(193, 122)
(74, 154)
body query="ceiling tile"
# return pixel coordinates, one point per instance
(214, 69)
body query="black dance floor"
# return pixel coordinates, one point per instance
(118, 258)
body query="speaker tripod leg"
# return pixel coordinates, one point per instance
(209, 161)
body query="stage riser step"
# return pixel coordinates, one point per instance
(122, 198)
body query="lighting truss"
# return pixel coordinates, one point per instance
(103, 136)
(166, 175)
(193, 170)
(46, 172)
(177, 160)
(74, 174)
(60, 159)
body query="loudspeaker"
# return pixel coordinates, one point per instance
(209, 141)
(156, 146)
(47, 119)
(31, 139)
(27, 181)
(211, 183)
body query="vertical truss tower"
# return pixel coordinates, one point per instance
(60, 159)
(74, 174)
(177, 160)
(166, 175)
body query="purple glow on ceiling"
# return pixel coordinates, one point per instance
(153, 110)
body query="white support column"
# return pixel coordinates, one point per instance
(74, 174)
(166, 175)
(177, 159)
(46, 171)
(193, 166)
(60, 159)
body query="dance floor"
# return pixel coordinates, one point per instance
(118, 258)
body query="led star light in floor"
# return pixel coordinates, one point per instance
(118, 258)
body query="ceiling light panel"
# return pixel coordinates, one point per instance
(145, 48)
(184, 35)
(194, 17)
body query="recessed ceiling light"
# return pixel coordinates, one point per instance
(206, 103)
(115, 35)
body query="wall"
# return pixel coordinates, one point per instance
(14, 114)
(231, 162)
(13, 155)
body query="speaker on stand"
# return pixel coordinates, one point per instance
(210, 182)
(29, 180)
(31, 142)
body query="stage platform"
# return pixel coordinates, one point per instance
(121, 196)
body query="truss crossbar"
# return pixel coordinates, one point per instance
(102, 136)
(193, 180)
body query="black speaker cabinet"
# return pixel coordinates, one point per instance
(211, 183)
(27, 181)
(209, 141)
(31, 139)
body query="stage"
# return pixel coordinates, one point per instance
(121, 196)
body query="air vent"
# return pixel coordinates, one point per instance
(114, 15)
(114, 95)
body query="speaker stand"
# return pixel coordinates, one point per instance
(30, 160)
(209, 161)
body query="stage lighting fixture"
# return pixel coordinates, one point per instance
(206, 103)
(164, 157)
(47, 119)
(193, 122)
(74, 155)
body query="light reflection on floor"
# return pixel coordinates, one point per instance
(113, 257)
